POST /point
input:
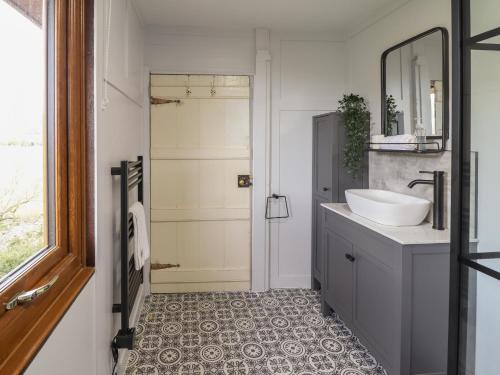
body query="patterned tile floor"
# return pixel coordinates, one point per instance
(280, 332)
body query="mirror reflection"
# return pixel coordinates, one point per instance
(414, 96)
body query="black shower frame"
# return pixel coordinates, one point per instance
(462, 260)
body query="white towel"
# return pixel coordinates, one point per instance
(141, 242)
(388, 142)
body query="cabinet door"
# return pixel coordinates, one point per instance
(338, 278)
(317, 239)
(377, 306)
(323, 158)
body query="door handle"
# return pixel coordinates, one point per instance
(350, 258)
(326, 189)
(244, 180)
(31, 295)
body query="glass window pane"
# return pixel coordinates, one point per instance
(480, 331)
(485, 15)
(25, 133)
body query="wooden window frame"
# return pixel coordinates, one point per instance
(24, 329)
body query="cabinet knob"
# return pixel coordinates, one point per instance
(326, 189)
(350, 258)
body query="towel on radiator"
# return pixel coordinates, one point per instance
(141, 241)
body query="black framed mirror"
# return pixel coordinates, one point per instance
(415, 93)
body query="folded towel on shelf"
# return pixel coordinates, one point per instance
(141, 241)
(398, 142)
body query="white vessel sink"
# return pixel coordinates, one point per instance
(388, 208)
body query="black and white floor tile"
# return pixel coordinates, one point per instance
(280, 332)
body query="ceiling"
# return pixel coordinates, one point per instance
(336, 16)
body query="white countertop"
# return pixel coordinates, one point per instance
(415, 235)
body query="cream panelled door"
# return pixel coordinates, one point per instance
(200, 218)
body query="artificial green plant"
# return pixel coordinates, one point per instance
(357, 124)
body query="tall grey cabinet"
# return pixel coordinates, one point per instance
(330, 179)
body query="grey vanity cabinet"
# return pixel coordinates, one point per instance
(330, 179)
(394, 297)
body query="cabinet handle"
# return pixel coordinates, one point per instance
(326, 189)
(350, 258)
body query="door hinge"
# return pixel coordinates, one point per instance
(161, 266)
(154, 100)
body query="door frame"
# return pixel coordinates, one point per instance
(259, 126)
(460, 256)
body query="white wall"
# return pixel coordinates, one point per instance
(72, 342)
(391, 171)
(81, 342)
(120, 130)
(365, 48)
(308, 78)
(199, 51)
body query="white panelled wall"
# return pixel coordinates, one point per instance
(199, 51)
(72, 342)
(308, 78)
(119, 136)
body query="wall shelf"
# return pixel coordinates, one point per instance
(436, 150)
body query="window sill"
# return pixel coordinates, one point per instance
(23, 354)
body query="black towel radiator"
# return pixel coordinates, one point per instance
(131, 177)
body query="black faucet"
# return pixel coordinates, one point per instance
(438, 183)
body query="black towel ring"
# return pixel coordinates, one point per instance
(276, 196)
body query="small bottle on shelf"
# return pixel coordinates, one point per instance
(420, 137)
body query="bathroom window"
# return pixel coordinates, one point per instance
(26, 130)
(43, 171)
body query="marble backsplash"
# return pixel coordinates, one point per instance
(391, 171)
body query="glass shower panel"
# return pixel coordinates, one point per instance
(484, 16)
(476, 348)
(494, 40)
(481, 314)
(485, 138)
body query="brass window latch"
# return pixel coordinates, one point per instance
(25, 297)
(161, 266)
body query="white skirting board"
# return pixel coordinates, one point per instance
(134, 318)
